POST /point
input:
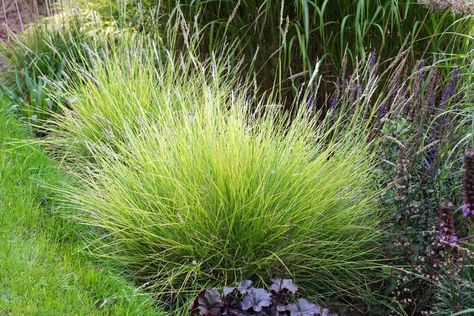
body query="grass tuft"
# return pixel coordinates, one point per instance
(201, 191)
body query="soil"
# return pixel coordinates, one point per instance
(16, 15)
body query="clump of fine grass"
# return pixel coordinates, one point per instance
(200, 191)
(41, 59)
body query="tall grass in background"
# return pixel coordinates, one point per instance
(192, 187)
(285, 39)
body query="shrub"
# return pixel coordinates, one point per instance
(201, 192)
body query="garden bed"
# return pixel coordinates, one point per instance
(212, 164)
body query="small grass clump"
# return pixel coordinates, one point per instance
(205, 192)
(40, 60)
(42, 268)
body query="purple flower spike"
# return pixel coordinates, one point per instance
(468, 183)
(421, 69)
(466, 210)
(311, 102)
(344, 84)
(381, 111)
(450, 89)
(373, 60)
(446, 229)
(333, 101)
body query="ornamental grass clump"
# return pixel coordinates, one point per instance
(206, 192)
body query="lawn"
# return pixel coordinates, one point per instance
(43, 270)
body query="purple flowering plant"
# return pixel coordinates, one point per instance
(468, 183)
(416, 129)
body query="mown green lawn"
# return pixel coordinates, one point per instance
(42, 270)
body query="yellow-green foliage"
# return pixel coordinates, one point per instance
(130, 86)
(41, 59)
(194, 190)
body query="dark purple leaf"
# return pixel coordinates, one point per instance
(235, 312)
(304, 308)
(279, 285)
(244, 286)
(256, 299)
(228, 290)
(210, 303)
(326, 312)
(245, 300)
(282, 308)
